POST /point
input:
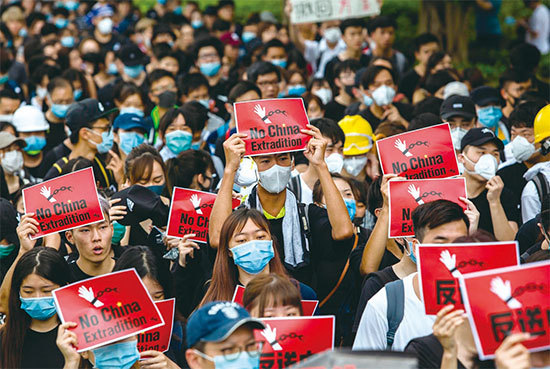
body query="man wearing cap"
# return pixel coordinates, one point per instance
(11, 161)
(489, 111)
(103, 32)
(91, 138)
(480, 155)
(31, 126)
(221, 335)
(460, 113)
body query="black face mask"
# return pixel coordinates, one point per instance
(167, 99)
(349, 90)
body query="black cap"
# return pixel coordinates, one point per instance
(131, 55)
(486, 95)
(86, 111)
(480, 136)
(142, 203)
(457, 105)
(8, 221)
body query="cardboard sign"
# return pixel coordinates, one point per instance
(308, 306)
(158, 339)
(288, 341)
(405, 196)
(107, 308)
(314, 11)
(272, 125)
(419, 154)
(190, 212)
(508, 300)
(439, 266)
(64, 202)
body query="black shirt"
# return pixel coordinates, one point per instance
(334, 110)
(512, 176)
(405, 110)
(40, 351)
(76, 273)
(55, 135)
(482, 205)
(528, 234)
(409, 82)
(429, 352)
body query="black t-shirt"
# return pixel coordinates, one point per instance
(409, 82)
(40, 351)
(55, 154)
(37, 173)
(528, 234)
(405, 110)
(530, 251)
(482, 205)
(55, 135)
(334, 110)
(512, 176)
(76, 273)
(429, 352)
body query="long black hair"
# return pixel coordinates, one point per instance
(45, 262)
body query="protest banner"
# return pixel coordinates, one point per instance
(439, 266)
(190, 212)
(508, 300)
(158, 339)
(406, 195)
(107, 308)
(315, 11)
(420, 154)
(272, 125)
(288, 341)
(64, 202)
(308, 306)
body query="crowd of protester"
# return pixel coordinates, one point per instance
(146, 100)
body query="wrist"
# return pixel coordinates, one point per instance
(321, 167)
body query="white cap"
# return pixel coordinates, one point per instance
(29, 119)
(455, 88)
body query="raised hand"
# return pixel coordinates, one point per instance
(450, 262)
(258, 109)
(88, 295)
(271, 337)
(445, 326)
(415, 193)
(67, 341)
(26, 228)
(504, 291)
(402, 146)
(472, 213)
(196, 201)
(46, 192)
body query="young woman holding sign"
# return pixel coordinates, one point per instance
(272, 296)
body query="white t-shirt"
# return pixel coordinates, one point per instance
(540, 23)
(371, 334)
(318, 51)
(307, 193)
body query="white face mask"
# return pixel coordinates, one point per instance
(325, 94)
(522, 149)
(335, 162)
(486, 166)
(457, 134)
(275, 179)
(383, 95)
(41, 92)
(105, 26)
(333, 34)
(354, 165)
(247, 174)
(12, 161)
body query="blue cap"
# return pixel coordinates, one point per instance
(216, 321)
(128, 121)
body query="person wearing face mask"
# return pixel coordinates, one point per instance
(130, 131)
(177, 131)
(302, 184)
(480, 155)
(163, 92)
(208, 54)
(344, 80)
(513, 83)
(460, 113)
(11, 161)
(192, 169)
(59, 98)
(489, 111)
(102, 20)
(274, 52)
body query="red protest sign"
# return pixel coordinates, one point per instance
(407, 195)
(508, 300)
(189, 213)
(107, 308)
(158, 339)
(272, 125)
(64, 203)
(439, 266)
(288, 341)
(308, 306)
(419, 154)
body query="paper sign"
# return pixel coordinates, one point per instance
(508, 300)
(158, 339)
(308, 306)
(272, 125)
(419, 154)
(288, 341)
(64, 202)
(107, 308)
(314, 11)
(440, 265)
(190, 212)
(407, 195)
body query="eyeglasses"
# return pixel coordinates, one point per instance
(252, 349)
(160, 89)
(211, 56)
(102, 129)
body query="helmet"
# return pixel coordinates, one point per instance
(542, 124)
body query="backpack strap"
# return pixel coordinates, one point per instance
(395, 294)
(295, 186)
(543, 188)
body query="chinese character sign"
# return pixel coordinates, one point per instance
(315, 11)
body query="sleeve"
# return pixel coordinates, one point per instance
(372, 285)
(510, 208)
(311, 51)
(371, 334)
(186, 284)
(427, 358)
(530, 202)
(321, 235)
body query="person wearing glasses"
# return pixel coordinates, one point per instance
(221, 335)
(267, 77)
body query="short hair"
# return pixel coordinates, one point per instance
(240, 89)
(161, 29)
(295, 56)
(139, 163)
(350, 64)
(204, 42)
(352, 22)
(8, 93)
(374, 196)
(221, 25)
(181, 169)
(329, 128)
(438, 80)
(260, 68)
(545, 218)
(122, 90)
(388, 128)
(58, 82)
(430, 104)
(381, 21)
(196, 115)
(157, 74)
(273, 43)
(524, 114)
(525, 57)
(369, 75)
(513, 75)
(474, 76)
(318, 189)
(423, 39)
(191, 82)
(60, 11)
(478, 236)
(49, 29)
(169, 117)
(434, 214)
(423, 120)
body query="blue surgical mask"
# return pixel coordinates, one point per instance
(489, 116)
(248, 36)
(279, 63)
(129, 140)
(133, 72)
(296, 90)
(367, 100)
(158, 189)
(179, 141)
(4, 79)
(5, 250)
(67, 41)
(61, 23)
(253, 256)
(118, 232)
(210, 69)
(351, 206)
(242, 360)
(197, 24)
(196, 145)
(205, 103)
(132, 110)
(35, 144)
(77, 94)
(23, 32)
(121, 355)
(107, 139)
(112, 69)
(60, 110)
(71, 5)
(41, 308)
(411, 251)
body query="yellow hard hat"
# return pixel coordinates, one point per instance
(542, 124)
(359, 136)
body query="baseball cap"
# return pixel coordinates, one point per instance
(131, 55)
(485, 95)
(86, 111)
(478, 137)
(267, 16)
(216, 321)
(141, 204)
(28, 118)
(128, 121)
(230, 38)
(457, 105)
(359, 135)
(7, 139)
(101, 11)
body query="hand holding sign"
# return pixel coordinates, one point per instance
(67, 342)
(315, 149)
(234, 148)
(472, 213)
(25, 230)
(186, 247)
(512, 354)
(445, 326)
